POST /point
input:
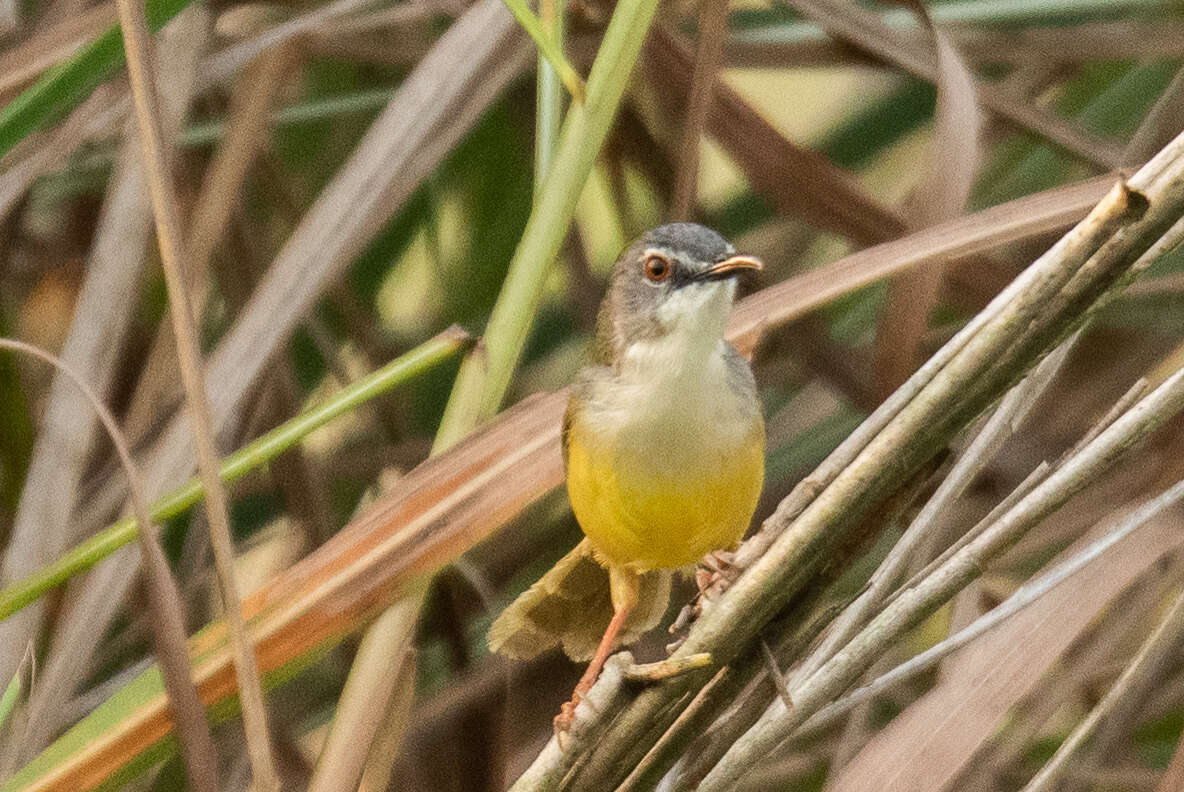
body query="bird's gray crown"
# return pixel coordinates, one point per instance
(690, 240)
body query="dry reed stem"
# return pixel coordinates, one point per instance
(604, 700)
(1148, 663)
(384, 751)
(48, 517)
(914, 604)
(1024, 596)
(139, 50)
(1012, 410)
(1108, 239)
(368, 694)
(247, 126)
(713, 22)
(800, 182)
(166, 621)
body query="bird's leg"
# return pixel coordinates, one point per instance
(624, 587)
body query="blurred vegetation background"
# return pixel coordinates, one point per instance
(353, 182)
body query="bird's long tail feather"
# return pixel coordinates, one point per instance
(570, 606)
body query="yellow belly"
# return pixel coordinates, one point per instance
(646, 517)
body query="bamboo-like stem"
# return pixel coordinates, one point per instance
(162, 598)
(549, 47)
(1011, 411)
(250, 457)
(911, 607)
(738, 681)
(138, 48)
(603, 701)
(1024, 596)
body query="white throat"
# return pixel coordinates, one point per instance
(694, 318)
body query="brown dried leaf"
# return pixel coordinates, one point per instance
(798, 181)
(865, 30)
(919, 752)
(940, 194)
(973, 233)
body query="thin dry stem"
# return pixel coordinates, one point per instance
(713, 21)
(138, 46)
(1026, 595)
(1012, 410)
(166, 619)
(363, 705)
(1157, 649)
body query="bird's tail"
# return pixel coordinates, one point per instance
(570, 606)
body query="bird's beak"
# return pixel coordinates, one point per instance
(732, 266)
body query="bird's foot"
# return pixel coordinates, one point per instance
(564, 720)
(715, 576)
(717, 573)
(567, 712)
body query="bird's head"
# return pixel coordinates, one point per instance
(678, 279)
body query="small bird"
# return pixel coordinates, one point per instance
(664, 446)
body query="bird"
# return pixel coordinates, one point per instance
(664, 450)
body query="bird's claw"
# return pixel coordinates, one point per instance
(564, 720)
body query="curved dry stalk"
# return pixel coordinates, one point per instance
(166, 616)
(139, 49)
(713, 28)
(1155, 651)
(1024, 596)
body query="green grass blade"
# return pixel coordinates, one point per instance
(63, 87)
(8, 700)
(251, 456)
(483, 379)
(548, 47)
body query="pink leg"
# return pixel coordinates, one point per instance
(625, 590)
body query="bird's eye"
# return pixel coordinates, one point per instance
(657, 267)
